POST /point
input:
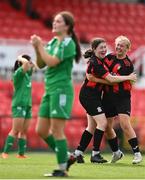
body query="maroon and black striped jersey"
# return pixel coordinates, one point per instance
(119, 67)
(97, 68)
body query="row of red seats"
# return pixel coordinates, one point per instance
(105, 19)
(12, 25)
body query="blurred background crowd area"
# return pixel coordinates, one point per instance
(19, 19)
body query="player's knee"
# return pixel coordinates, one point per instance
(22, 135)
(57, 133)
(109, 132)
(14, 132)
(91, 129)
(108, 128)
(125, 127)
(40, 132)
(104, 124)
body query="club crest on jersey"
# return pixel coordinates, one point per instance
(116, 68)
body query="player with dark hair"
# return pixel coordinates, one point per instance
(91, 100)
(117, 99)
(58, 55)
(21, 105)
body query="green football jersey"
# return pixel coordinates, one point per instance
(60, 75)
(22, 88)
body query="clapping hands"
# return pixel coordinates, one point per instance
(36, 40)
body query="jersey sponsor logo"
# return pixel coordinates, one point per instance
(99, 109)
(62, 99)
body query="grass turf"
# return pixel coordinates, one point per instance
(39, 163)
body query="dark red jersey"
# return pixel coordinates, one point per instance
(97, 68)
(119, 67)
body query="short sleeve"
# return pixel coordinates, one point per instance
(66, 49)
(98, 69)
(30, 72)
(18, 74)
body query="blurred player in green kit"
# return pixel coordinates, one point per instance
(56, 105)
(21, 105)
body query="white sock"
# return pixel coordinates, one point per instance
(78, 152)
(137, 153)
(95, 152)
(116, 152)
(63, 166)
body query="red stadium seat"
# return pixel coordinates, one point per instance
(105, 19)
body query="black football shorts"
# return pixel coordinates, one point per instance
(92, 105)
(116, 105)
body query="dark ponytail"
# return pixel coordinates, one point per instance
(69, 20)
(88, 53)
(18, 63)
(78, 49)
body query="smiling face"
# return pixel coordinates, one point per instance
(59, 27)
(101, 50)
(121, 48)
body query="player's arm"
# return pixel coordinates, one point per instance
(26, 65)
(48, 59)
(92, 78)
(110, 79)
(40, 63)
(117, 79)
(101, 71)
(42, 54)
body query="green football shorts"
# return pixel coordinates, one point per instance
(22, 112)
(57, 105)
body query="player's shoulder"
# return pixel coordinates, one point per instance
(68, 41)
(50, 43)
(18, 71)
(110, 56)
(128, 58)
(95, 61)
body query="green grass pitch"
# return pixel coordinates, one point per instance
(39, 163)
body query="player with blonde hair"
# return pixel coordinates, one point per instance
(117, 99)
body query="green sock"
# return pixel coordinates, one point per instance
(21, 146)
(8, 144)
(61, 151)
(50, 141)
